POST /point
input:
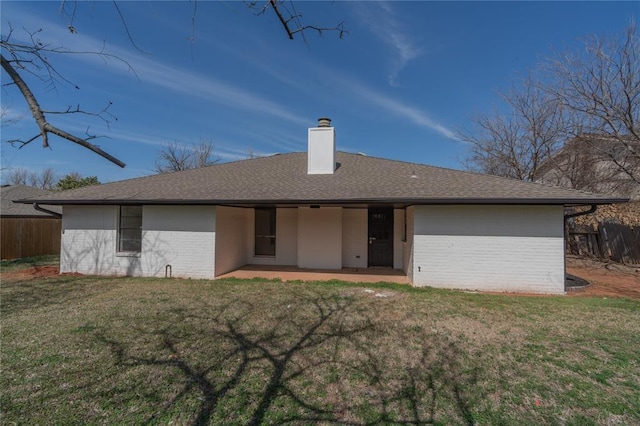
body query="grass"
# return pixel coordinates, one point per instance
(79, 350)
(45, 260)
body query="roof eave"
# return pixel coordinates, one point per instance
(409, 201)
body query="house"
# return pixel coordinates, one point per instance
(25, 231)
(606, 165)
(595, 163)
(324, 209)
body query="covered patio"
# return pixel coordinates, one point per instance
(293, 273)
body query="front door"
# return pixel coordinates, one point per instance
(381, 237)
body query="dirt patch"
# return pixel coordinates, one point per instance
(34, 272)
(607, 279)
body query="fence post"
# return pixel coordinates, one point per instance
(606, 250)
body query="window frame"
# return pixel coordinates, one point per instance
(272, 234)
(121, 228)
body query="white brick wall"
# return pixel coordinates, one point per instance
(354, 238)
(88, 243)
(497, 248)
(320, 237)
(181, 236)
(491, 248)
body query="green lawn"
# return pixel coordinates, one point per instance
(79, 350)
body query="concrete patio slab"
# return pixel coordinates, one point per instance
(292, 273)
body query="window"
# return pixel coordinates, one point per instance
(130, 229)
(265, 231)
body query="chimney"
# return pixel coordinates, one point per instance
(321, 154)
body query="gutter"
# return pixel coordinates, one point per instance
(43, 210)
(593, 208)
(408, 200)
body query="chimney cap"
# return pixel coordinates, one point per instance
(324, 122)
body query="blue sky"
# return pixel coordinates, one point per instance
(398, 86)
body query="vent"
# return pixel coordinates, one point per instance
(324, 122)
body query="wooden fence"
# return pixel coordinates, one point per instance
(607, 241)
(26, 237)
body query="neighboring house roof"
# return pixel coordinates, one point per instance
(9, 193)
(588, 162)
(283, 179)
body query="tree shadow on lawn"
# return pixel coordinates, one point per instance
(21, 295)
(433, 377)
(318, 358)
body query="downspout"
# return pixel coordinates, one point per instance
(593, 208)
(40, 209)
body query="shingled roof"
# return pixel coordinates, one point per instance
(283, 179)
(9, 193)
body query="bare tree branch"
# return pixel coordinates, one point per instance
(44, 125)
(104, 114)
(21, 143)
(291, 20)
(126, 28)
(46, 179)
(516, 144)
(591, 99)
(584, 163)
(33, 58)
(18, 177)
(601, 87)
(176, 157)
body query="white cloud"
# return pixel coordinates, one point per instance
(383, 22)
(208, 88)
(393, 106)
(154, 72)
(10, 116)
(344, 84)
(142, 138)
(282, 141)
(417, 116)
